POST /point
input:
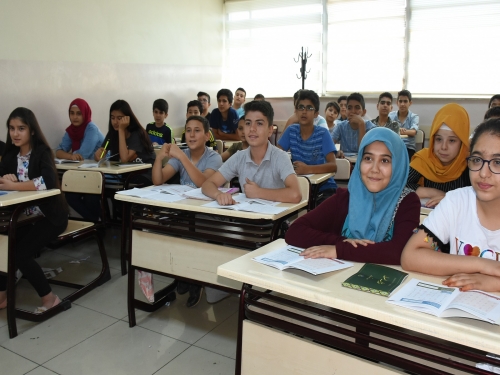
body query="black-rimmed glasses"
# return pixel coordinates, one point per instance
(475, 163)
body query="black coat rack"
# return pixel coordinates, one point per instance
(303, 62)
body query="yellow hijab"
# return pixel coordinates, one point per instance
(428, 164)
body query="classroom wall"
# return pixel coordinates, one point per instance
(53, 51)
(425, 108)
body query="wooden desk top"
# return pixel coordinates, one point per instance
(106, 167)
(327, 290)
(16, 197)
(318, 178)
(196, 205)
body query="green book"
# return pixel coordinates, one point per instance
(376, 279)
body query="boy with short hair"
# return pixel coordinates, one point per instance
(195, 164)
(350, 132)
(342, 102)
(159, 132)
(263, 170)
(195, 108)
(224, 119)
(311, 146)
(204, 99)
(494, 101)
(294, 119)
(239, 99)
(384, 107)
(408, 121)
(259, 97)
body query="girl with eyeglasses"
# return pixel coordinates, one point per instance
(442, 167)
(466, 222)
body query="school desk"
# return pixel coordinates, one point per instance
(187, 241)
(316, 181)
(312, 325)
(12, 207)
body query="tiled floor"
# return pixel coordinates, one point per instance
(93, 337)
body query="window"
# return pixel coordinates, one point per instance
(262, 39)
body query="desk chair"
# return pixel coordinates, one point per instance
(220, 146)
(343, 169)
(419, 140)
(305, 190)
(84, 182)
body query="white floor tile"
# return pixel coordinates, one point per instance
(50, 338)
(118, 350)
(187, 324)
(196, 361)
(41, 371)
(222, 340)
(13, 364)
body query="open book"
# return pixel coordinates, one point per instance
(64, 161)
(243, 203)
(288, 257)
(443, 301)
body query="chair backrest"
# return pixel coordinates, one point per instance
(343, 169)
(85, 182)
(305, 187)
(274, 137)
(419, 140)
(220, 146)
(422, 218)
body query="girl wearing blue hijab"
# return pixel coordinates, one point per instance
(372, 220)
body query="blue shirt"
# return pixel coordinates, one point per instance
(347, 136)
(240, 111)
(312, 151)
(92, 140)
(411, 122)
(228, 126)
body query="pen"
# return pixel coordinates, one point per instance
(105, 146)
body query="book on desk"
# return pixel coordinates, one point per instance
(376, 279)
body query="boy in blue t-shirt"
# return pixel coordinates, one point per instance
(312, 148)
(224, 119)
(159, 132)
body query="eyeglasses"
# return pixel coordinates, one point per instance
(302, 107)
(475, 163)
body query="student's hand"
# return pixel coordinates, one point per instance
(323, 251)
(471, 281)
(251, 188)
(225, 199)
(124, 122)
(403, 131)
(6, 184)
(434, 200)
(355, 242)
(164, 151)
(10, 177)
(98, 153)
(155, 143)
(300, 167)
(77, 157)
(175, 151)
(356, 120)
(340, 154)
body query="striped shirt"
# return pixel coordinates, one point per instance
(414, 177)
(311, 151)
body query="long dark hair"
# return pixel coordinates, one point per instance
(37, 138)
(135, 126)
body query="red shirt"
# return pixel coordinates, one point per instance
(323, 226)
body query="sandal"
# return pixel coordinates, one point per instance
(42, 309)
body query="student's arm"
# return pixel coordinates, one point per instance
(434, 195)
(336, 139)
(64, 148)
(226, 155)
(329, 167)
(289, 194)
(412, 131)
(211, 189)
(125, 153)
(224, 136)
(159, 173)
(66, 155)
(92, 138)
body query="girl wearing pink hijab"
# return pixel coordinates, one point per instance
(82, 137)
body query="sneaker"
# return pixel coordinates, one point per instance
(195, 293)
(182, 287)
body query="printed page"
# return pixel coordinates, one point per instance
(248, 205)
(480, 305)
(423, 296)
(282, 257)
(176, 189)
(135, 192)
(321, 265)
(89, 165)
(165, 197)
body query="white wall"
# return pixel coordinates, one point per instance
(53, 51)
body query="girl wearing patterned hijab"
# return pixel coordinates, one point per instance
(373, 219)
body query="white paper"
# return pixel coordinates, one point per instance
(139, 193)
(89, 165)
(248, 206)
(64, 161)
(288, 257)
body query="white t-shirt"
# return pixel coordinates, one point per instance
(455, 221)
(320, 121)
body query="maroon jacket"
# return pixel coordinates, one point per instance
(323, 226)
